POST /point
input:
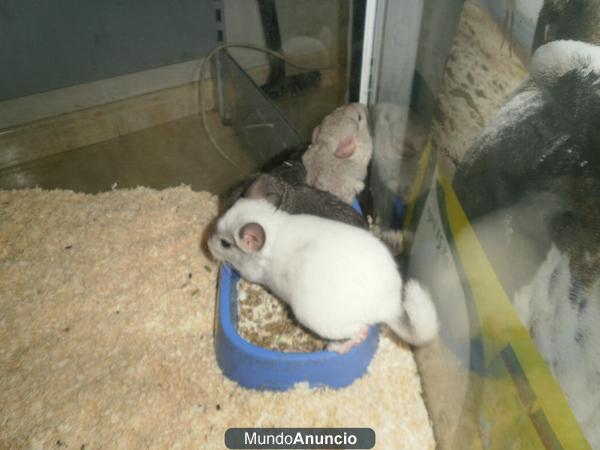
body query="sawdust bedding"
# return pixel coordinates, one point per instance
(106, 322)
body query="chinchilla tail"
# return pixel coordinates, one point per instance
(419, 323)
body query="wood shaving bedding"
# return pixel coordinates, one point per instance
(106, 335)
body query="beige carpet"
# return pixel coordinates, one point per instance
(106, 319)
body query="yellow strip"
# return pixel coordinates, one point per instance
(501, 326)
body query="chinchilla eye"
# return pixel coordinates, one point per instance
(225, 244)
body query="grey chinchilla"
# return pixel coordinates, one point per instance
(282, 184)
(286, 166)
(303, 199)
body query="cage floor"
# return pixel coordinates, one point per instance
(106, 334)
(161, 156)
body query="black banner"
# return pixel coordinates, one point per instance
(299, 438)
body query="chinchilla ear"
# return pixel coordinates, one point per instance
(252, 237)
(346, 147)
(263, 188)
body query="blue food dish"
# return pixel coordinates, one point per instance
(256, 367)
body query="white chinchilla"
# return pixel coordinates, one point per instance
(337, 279)
(340, 151)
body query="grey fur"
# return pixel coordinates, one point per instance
(283, 185)
(287, 166)
(303, 199)
(549, 129)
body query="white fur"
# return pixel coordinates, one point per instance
(335, 277)
(553, 60)
(420, 314)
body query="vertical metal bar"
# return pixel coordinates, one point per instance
(355, 49)
(364, 93)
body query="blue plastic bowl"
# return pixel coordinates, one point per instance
(255, 367)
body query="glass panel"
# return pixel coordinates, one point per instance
(485, 133)
(262, 128)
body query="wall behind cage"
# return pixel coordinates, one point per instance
(52, 45)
